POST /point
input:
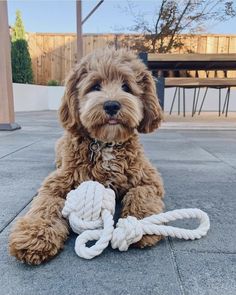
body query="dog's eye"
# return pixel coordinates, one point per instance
(96, 87)
(126, 88)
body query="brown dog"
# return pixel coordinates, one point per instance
(109, 98)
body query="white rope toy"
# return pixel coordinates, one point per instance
(90, 210)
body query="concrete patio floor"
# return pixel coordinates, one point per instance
(199, 170)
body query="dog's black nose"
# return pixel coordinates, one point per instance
(111, 107)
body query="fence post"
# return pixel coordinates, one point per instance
(7, 116)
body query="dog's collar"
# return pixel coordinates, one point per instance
(97, 145)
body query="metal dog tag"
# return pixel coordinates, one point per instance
(93, 147)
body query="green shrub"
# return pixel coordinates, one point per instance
(53, 83)
(21, 62)
(20, 58)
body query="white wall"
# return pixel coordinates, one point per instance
(36, 97)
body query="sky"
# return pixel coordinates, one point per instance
(59, 16)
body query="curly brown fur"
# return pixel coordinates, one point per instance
(40, 234)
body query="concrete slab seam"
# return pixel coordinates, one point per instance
(175, 265)
(21, 149)
(226, 163)
(15, 215)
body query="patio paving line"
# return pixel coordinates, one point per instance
(175, 265)
(204, 251)
(217, 157)
(12, 219)
(19, 149)
(197, 128)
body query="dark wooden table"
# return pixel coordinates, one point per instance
(159, 63)
(177, 62)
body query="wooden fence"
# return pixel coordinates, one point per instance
(53, 55)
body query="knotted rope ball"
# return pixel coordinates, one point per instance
(90, 209)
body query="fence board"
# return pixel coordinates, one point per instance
(68, 53)
(53, 55)
(39, 57)
(232, 49)
(202, 48)
(47, 68)
(223, 47)
(211, 47)
(33, 51)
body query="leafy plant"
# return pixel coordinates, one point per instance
(53, 83)
(21, 61)
(18, 31)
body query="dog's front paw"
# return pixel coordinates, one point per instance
(147, 241)
(34, 241)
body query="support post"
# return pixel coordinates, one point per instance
(160, 81)
(7, 116)
(79, 30)
(160, 84)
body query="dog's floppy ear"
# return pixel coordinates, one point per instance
(152, 112)
(69, 110)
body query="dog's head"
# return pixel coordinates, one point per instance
(110, 94)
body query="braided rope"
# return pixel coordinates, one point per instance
(90, 210)
(130, 230)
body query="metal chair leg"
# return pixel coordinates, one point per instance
(226, 98)
(184, 102)
(178, 101)
(172, 104)
(195, 107)
(219, 101)
(227, 106)
(194, 98)
(204, 96)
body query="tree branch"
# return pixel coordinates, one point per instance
(177, 25)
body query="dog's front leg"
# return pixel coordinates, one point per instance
(41, 233)
(143, 201)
